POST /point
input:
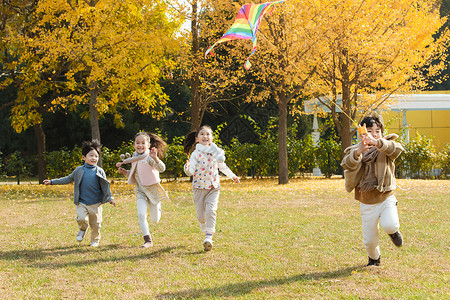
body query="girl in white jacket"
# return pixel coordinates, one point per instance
(205, 161)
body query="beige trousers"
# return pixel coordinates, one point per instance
(206, 202)
(90, 215)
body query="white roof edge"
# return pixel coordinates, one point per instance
(404, 102)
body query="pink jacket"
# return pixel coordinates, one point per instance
(148, 171)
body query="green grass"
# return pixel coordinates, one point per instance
(301, 240)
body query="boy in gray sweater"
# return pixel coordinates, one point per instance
(91, 190)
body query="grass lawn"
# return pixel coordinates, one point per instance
(300, 240)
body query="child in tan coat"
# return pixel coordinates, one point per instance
(369, 169)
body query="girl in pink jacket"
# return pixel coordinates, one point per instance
(146, 165)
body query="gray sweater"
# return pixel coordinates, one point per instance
(76, 177)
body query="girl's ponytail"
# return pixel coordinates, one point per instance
(189, 139)
(154, 141)
(189, 142)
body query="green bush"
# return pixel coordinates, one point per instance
(328, 156)
(443, 162)
(19, 166)
(239, 158)
(111, 157)
(418, 160)
(62, 162)
(175, 159)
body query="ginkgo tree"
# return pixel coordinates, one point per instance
(113, 53)
(351, 48)
(282, 65)
(371, 50)
(210, 81)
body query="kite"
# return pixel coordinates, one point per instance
(246, 25)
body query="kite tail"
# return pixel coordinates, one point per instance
(247, 64)
(209, 49)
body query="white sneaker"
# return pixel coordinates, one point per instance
(94, 244)
(207, 244)
(80, 235)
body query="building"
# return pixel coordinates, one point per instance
(426, 114)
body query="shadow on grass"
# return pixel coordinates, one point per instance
(34, 256)
(239, 289)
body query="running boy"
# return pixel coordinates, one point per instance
(369, 169)
(91, 190)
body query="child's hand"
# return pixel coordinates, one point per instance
(362, 147)
(122, 171)
(187, 164)
(47, 182)
(236, 179)
(154, 154)
(119, 164)
(369, 140)
(112, 202)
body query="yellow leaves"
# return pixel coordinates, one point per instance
(119, 45)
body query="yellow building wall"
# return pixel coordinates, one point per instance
(434, 124)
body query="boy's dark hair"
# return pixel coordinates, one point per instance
(370, 120)
(155, 141)
(189, 139)
(88, 146)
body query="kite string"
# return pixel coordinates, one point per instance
(331, 100)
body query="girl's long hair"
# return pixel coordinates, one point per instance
(155, 141)
(189, 140)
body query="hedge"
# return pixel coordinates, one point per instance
(419, 160)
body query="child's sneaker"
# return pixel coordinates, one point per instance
(94, 244)
(397, 238)
(147, 242)
(207, 244)
(80, 235)
(374, 262)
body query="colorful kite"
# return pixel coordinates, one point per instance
(246, 25)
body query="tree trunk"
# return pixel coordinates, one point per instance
(41, 147)
(346, 122)
(283, 169)
(195, 80)
(93, 115)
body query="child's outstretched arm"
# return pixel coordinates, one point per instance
(390, 147)
(189, 166)
(131, 160)
(155, 162)
(225, 170)
(63, 180)
(123, 171)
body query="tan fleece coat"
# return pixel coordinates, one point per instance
(354, 168)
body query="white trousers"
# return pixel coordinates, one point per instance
(385, 214)
(206, 202)
(90, 215)
(143, 204)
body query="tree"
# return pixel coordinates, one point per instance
(210, 81)
(115, 52)
(282, 64)
(105, 55)
(373, 49)
(16, 20)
